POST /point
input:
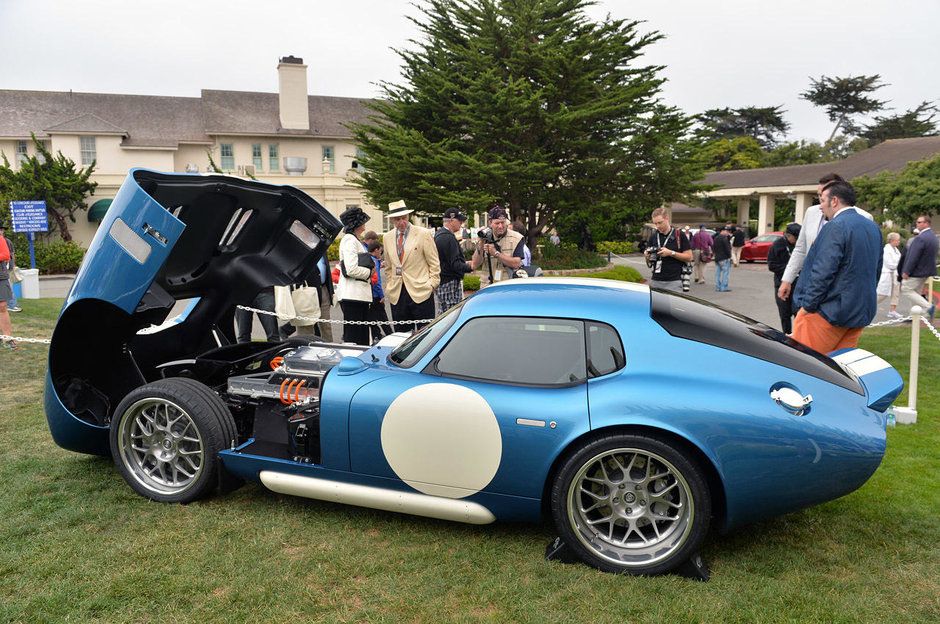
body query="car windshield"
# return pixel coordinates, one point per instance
(413, 348)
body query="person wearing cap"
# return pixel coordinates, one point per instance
(354, 289)
(453, 265)
(6, 290)
(777, 258)
(412, 269)
(507, 255)
(722, 247)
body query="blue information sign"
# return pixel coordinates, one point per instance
(29, 216)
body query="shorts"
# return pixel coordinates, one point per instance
(6, 290)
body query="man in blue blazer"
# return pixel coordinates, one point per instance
(836, 289)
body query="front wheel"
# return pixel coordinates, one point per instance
(165, 437)
(631, 503)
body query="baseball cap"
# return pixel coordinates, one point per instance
(498, 213)
(454, 213)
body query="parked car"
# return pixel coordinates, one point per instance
(534, 398)
(755, 250)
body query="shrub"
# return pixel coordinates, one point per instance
(55, 256)
(617, 247)
(333, 252)
(471, 282)
(620, 273)
(565, 257)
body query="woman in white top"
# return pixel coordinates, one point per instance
(888, 283)
(354, 290)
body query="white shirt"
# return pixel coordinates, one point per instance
(811, 227)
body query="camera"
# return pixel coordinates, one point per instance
(486, 235)
(652, 255)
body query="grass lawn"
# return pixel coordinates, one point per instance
(77, 545)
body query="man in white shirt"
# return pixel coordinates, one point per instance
(813, 221)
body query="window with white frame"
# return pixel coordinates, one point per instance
(227, 152)
(256, 156)
(357, 161)
(274, 157)
(87, 147)
(329, 154)
(21, 155)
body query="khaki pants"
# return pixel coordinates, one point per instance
(736, 254)
(698, 266)
(911, 288)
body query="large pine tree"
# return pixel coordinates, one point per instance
(531, 105)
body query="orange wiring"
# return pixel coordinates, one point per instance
(283, 400)
(297, 391)
(276, 362)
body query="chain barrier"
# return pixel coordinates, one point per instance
(19, 339)
(334, 321)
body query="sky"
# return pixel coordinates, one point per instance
(724, 53)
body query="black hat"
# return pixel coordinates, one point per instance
(498, 212)
(794, 229)
(454, 213)
(353, 217)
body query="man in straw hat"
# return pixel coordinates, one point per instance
(412, 269)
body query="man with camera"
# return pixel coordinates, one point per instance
(503, 248)
(667, 252)
(453, 265)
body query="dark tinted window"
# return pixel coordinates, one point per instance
(605, 351)
(415, 346)
(530, 351)
(685, 317)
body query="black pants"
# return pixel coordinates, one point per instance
(407, 310)
(355, 311)
(377, 313)
(785, 309)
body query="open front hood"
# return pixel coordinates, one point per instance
(167, 237)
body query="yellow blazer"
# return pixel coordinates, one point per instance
(420, 266)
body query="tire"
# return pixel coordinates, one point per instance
(631, 503)
(165, 437)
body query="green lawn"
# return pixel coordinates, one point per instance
(77, 545)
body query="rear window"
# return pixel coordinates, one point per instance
(685, 317)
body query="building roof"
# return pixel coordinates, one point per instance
(892, 155)
(162, 121)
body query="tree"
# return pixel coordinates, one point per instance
(844, 98)
(52, 179)
(902, 195)
(729, 154)
(529, 104)
(762, 123)
(916, 122)
(797, 153)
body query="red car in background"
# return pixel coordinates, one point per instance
(757, 248)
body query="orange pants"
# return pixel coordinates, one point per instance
(817, 333)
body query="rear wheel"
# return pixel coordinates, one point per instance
(165, 437)
(631, 503)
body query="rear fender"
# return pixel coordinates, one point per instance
(881, 381)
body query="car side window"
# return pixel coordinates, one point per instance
(605, 350)
(515, 350)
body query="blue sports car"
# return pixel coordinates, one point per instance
(620, 412)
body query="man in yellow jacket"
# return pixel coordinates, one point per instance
(411, 271)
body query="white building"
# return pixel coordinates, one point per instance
(287, 137)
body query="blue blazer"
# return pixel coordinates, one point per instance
(841, 271)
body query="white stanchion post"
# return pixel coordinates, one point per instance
(908, 415)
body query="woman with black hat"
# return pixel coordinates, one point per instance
(354, 290)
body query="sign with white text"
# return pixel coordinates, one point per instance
(29, 216)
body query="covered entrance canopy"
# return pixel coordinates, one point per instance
(800, 181)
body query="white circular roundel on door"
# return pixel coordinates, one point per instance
(442, 439)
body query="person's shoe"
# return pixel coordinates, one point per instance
(9, 344)
(894, 315)
(14, 309)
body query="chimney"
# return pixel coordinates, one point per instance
(292, 91)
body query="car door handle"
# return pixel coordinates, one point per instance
(791, 400)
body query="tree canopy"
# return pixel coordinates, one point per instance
(54, 179)
(845, 98)
(531, 105)
(903, 195)
(915, 122)
(762, 123)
